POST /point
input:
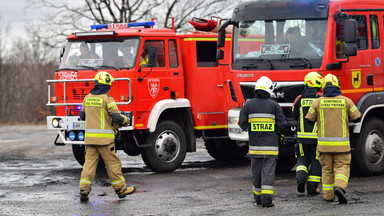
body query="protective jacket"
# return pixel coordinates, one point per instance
(100, 111)
(263, 118)
(332, 114)
(306, 131)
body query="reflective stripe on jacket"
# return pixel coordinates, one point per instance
(98, 121)
(332, 115)
(306, 132)
(263, 118)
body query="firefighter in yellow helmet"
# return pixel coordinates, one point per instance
(332, 112)
(263, 118)
(308, 169)
(101, 116)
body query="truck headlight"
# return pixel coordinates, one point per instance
(233, 120)
(57, 123)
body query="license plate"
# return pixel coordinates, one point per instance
(78, 125)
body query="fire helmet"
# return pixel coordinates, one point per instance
(313, 79)
(330, 80)
(265, 84)
(103, 78)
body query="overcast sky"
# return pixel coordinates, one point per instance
(15, 13)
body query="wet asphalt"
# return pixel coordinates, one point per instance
(38, 178)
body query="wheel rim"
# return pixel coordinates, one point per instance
(167, 146)
(374, 147)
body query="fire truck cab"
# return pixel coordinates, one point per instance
(287, 39)
(171, 86)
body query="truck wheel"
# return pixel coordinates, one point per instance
(225, 149)
(369, 148)
(168, 149)
(79, 153)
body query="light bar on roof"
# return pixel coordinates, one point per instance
(101, 33)
(122, 25)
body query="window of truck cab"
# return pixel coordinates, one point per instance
(100, 54)
(362, 35)
(279, 44)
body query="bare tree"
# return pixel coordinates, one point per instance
(67, 16)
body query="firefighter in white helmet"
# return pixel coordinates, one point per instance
(101, 117)
(308, 169)
(263, 118)
(332, 112)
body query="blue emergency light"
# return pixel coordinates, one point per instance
(120, 25)
(100, 26)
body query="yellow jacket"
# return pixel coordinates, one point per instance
(99, 129)
(332, 116)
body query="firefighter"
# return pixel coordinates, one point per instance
(331, 112)
(263, 118)
(144, 58)
(85, 53)
(102, 118)
(308, 169)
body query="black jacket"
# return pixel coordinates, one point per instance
(306, 131)
(263, 118)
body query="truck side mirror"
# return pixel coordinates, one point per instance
(221, 33)
(219, 54)
(62, 51)
(350, 49)
(152, 56)
(350, 37)
(350, 31)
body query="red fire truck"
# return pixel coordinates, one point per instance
(177, 93)
(286, 39)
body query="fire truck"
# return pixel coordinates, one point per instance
(286, 39)
(170, 85)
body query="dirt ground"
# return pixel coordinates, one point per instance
(38, 178)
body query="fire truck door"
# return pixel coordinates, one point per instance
(211, 97)
(354, 74)
(155, 80)
(377, 54)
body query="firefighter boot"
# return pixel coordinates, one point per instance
(84, 197)
(312, 188)
(125, 191)
(257, 199)
(301, 186)
(267, 205)
(340, 195)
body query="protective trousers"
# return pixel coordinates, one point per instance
(308, 166)
(263, 177)
(335, 172)
(112, 164)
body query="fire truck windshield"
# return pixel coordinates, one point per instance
(279, 44)
(100, 54)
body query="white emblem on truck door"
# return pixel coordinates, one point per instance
(154, 87)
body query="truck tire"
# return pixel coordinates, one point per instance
(368, 156)
(225, 149)
(79, 153)
(168, 149)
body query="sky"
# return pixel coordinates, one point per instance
(16, 14)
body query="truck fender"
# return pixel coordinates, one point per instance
(367, 103)
(163, 105)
